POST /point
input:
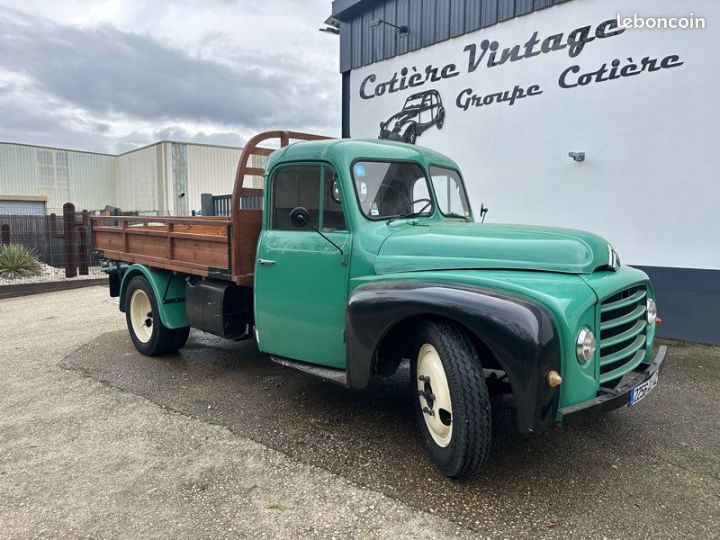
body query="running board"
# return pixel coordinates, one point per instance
(337, 376)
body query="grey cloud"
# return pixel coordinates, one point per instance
(176, 133)
(110, 72)
(40, 126)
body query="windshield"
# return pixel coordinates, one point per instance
(413, 103)
(450, 192)
(391, 189)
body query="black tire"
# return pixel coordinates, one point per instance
(158, 339)
(441, 118)
(469, 440)
(179, 338)
(410, 134)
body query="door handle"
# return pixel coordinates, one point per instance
(265, 261)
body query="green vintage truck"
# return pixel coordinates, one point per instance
(359, 254)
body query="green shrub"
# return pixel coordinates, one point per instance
(17, 261)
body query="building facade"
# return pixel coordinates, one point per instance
(559, 115)
(165, 178)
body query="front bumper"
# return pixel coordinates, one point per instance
(612, 398)
(390, 135)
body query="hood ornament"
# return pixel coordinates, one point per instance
(613, 259)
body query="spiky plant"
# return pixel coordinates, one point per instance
(17, 261)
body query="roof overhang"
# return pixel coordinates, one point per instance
(342, 9)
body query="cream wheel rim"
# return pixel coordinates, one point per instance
(434, 394)
(141, 315)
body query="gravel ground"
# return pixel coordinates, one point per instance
(50, 273)
(80, 458)
(173, 446)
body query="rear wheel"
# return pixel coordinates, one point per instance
(441, 118)
(149, 335)
(452, 404)
(410, 134)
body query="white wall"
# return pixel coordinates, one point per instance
(211, 169)
(140, 180)
(60, 175)
(650, 180)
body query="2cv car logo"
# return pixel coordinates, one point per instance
(420, 112)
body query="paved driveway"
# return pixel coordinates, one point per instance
(653, 470)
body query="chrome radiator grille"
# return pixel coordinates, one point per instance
(622, 332)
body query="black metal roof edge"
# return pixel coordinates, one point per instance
(342, 9)
(351, 11)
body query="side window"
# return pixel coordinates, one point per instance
(293, 186)
(302, 185)
(425, 111)
(450, 192)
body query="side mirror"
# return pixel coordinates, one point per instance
(300, 217)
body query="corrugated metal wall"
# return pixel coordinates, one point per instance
(139, 180)
(148, 180)
(61, 175)
(90, 180)
(17, 170)
(429, 22)
(211, 169)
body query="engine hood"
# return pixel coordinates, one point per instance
(396, 121)
(460, 245)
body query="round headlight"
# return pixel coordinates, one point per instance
(585, 349)
(651, 311)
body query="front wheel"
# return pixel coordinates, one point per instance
(410, 134)
(452, 403)
(149, 335)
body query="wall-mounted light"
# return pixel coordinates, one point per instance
(333, 26)
(402, 30)
(577, 156)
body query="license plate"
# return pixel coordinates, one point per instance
(641, 390)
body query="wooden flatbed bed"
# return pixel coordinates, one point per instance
(220, 247)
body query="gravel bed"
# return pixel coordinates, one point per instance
(50, 273)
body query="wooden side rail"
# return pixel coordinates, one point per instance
(198, 245)
(159, 220)
(246, 223)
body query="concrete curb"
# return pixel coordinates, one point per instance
(25, 289)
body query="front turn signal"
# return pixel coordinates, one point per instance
(553, 379)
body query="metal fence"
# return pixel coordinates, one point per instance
(61, 242)
(219, 205)
(62, 248)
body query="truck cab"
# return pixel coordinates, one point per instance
(368, 255)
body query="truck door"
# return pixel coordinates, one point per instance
(301, 279)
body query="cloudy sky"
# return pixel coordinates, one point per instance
(111, 75)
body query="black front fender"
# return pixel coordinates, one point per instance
(520, 334)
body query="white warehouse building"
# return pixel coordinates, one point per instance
(165, 178)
